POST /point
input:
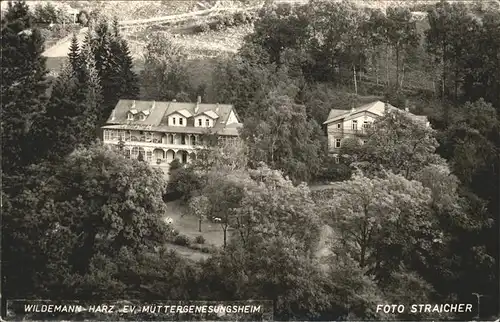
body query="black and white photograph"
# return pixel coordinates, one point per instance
(250, 160)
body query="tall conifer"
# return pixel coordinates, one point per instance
(23, 87)
(74, 54)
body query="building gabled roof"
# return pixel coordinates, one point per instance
(373, 108)
(158, 112)
(336, 115)
(210, 114)
(357, 114)
(183, 112)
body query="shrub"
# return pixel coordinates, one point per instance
(219, 25)
(200, 239)
(174, 165)
(204, 27)
(239, 18)
(332, 171)
(205, 250)
(182, 240)
(228, 21)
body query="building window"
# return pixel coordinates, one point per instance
(364, 141)
(130, 117)
(207, 123)
(354, 125)
(173, 120)
(366, 124)
(193, 140)
(149, 156)
(135, 152)
(337, 159)
(339, 126)
(127, 154)
(106, 135)
(171, 138)
(337, 143)
(180, 121)
(199, 122)
(183, 139)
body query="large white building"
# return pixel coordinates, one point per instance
(164, 131)
(342, 124)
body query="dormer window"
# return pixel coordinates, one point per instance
(207, 122)
(199, 122)
(130, 117)
(180, 121)
(143, 117)
(173, 120)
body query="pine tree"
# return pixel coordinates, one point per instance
(114, 65)
(106, 65)
(23, 87)
(93, 93)
(129, 80)
(74, 55)
(70, 119)
(53, 130)
(116, 28)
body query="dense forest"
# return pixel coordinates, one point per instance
(414, 208)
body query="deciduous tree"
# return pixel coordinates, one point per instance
(402, 35)
(283, 137)
(165, 74)
(399, 143)
(96, 202)
(381, 221)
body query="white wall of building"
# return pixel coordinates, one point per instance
(177, 120)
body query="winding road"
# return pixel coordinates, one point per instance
(61, 48)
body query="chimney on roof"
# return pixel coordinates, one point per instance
(153, 106)
(113, 115)
(352, 110)
(133, 105)
(197, 107)
(386, 107)
(217, 108)
(407, 109)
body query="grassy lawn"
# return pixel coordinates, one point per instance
(187, 225)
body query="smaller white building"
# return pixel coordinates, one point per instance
(342, 124)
